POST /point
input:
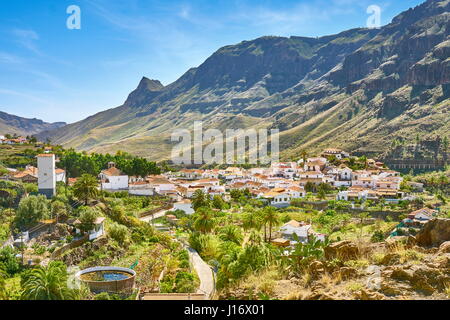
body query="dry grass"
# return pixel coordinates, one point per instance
(263, 282)
(354, 286)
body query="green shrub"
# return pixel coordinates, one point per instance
(102, 296)
(118, 232)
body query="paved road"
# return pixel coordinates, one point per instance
(204, 272)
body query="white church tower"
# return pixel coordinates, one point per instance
(46, 174)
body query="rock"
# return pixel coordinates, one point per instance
(443, 261)
(316, 269)
(434, 233)
(346, 273)
(368, 295)
(408, 241)
(444, 247)
(402, 274)
(319, 296)
(344, 250)
(390, 259)
(428, 280)
(393, 288)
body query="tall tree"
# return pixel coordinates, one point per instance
(199, 200)
(86, 188)
(30, 211)
(270, 217)
(204, 220)
(231, 233)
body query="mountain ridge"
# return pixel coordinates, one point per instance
(397, 75)
(13, 124)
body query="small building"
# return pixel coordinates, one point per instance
(141, 188)
(423, 214)
(302, 230)
(96, 232)
(294, 227)
(338, 153)
(60, 175)
(113, 178)
(278, 198)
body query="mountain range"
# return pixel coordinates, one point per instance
(358, 90)
(26, 127)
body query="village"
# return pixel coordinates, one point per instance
(317, 202)
(278, 185)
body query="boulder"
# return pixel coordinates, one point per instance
(390, 258)
(434, 233)
(316, 269)
(444, 247)
(368, 295)
(344, 250)
(346, 273)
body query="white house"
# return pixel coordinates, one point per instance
(338, 153)
(113, 178)
(60, 175)
(423, 214)
(294, 227)
(278, 198)
(161, 184)
(303, 231)
(296, 192)
(368, 182)
(345, 173)
(97, 231)
(140, 188)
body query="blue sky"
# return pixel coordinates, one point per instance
(56, 74)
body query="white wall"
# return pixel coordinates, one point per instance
(116, 183)
(46, 172)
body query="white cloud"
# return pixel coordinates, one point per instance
(27, 39)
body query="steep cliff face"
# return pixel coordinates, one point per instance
(411, 50)
(356, 90)
(144, 93)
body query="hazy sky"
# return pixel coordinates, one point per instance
(56, 74)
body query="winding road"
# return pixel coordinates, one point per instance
(204, 271)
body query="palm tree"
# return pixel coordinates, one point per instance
(48, 283)
(86, 188)
(304, 155)
(231, 233)
(270, 217)
(204, 222)
(250, 221)
(199, 200)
